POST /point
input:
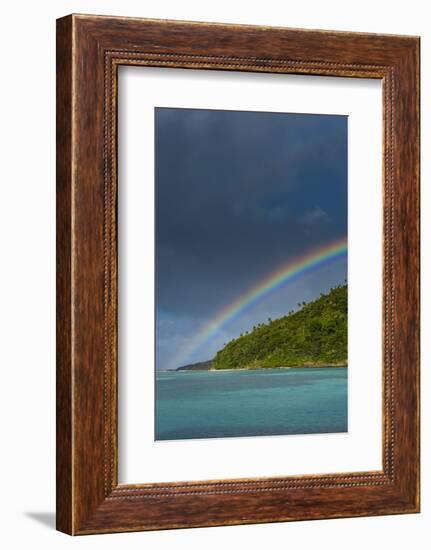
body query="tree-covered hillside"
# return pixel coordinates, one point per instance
(315, 335)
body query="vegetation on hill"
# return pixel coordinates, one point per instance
(202, 365)
(314, 335)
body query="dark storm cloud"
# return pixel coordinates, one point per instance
(238, 194)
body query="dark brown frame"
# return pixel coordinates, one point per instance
(89, 50)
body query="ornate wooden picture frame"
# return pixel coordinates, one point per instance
(89, 51)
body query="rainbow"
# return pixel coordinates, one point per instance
(280, 277)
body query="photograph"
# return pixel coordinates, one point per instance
(251, 279)
(237, 274)
(216, 275)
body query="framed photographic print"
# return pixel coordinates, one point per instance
(237, 274)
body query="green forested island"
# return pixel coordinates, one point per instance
(313, 336)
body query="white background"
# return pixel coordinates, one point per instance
(141, 458)
(27, 125)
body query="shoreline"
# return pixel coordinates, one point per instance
(318, 366)
(281, 368)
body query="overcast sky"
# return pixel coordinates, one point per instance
(237, 195)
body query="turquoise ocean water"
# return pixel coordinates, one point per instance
(202, 404)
